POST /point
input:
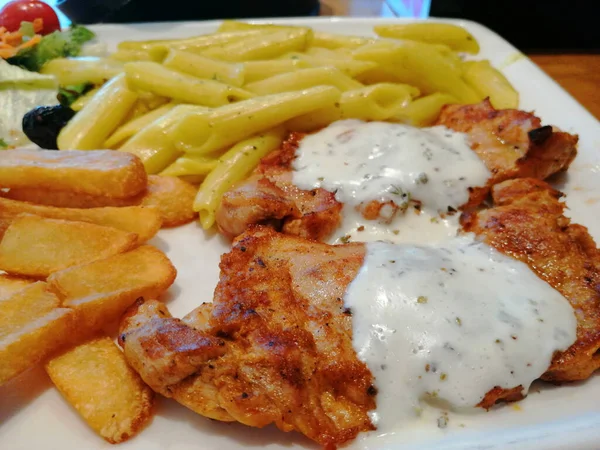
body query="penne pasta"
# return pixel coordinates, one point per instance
(490, 82)
(153, 77)
(194, 42)
(234, 25)
(303, 79)
(190, 166)
(322, 52)
(204, 133)
(421, 65)
(424, 111)
(78, 104)
(132, 55)
(204, 67)
(348, 66)
(69, 71)
(134, 126)
(99, 117)
(334, 41)
(233, 166)
(454, 36)
(259, 70)
(153, 143)
(265, 46)
(377, 102)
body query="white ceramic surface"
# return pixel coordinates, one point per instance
(34, 416)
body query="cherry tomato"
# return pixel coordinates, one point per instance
(19, 11)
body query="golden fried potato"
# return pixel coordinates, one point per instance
(102, 172)
(31, 344)
(102, 290)
(9, 284)
(29, 303)
(110, 396)
(172, 197)
(145, 222)
(64, 199)
(37, 246)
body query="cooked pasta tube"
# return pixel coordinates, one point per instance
(153, 77)
(153, 143)
(134, 126)
(259, 70)
(204, 67)
(187, 165)
(421, 65)
(376, 102)
(191, 43)
(99, 117)
(69, 71)
(304, 79)
(348, 66)
(490, 82)
(425, 110)
(233, 166)
(234, 25)
(204, 133)
(455, 37)
(334, 41)
(78, 104)
(265, 46)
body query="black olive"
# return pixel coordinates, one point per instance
(42, 124)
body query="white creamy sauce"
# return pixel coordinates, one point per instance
(446, 323)
(385, 162)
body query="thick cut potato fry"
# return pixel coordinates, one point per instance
(29, 303)
(9, 285)
(101, 291)
(108, 173)
(171, 197)
(455, 37)
(36, 341)
(110, 396)
(36, 246)
(145, 222)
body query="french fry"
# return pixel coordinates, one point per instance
(32, 327)
(173, 198)
(107, 173)
(101, 291)
(53, 245)
(145, 222)
(96, 381)
(10, 284)
(27, 304)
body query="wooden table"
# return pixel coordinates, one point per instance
(578, 74)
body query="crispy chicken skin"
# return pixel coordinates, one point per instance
(512, 144)
(274, 347)
(527, 223)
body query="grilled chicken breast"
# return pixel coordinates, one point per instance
(511, 143)
(527, 223)
(275, 346)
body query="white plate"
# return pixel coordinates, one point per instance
(33, 415)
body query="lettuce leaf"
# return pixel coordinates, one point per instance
(60, 44)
